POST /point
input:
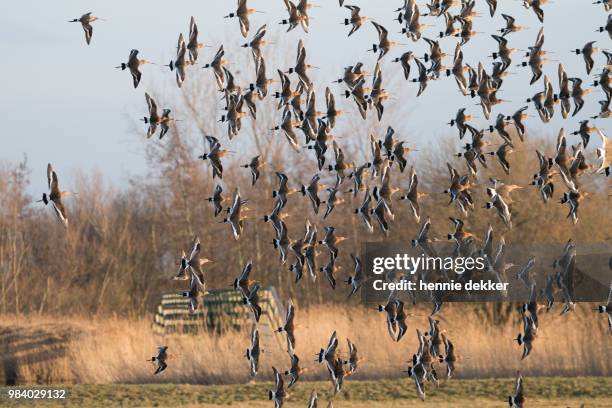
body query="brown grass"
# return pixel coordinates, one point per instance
(115, 350)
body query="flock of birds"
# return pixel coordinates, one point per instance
(567, 163)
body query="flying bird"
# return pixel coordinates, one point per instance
(55, 196)
(133, 64)
(86, 20)
(242, 13)
(160, 359)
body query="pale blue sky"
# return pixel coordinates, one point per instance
(63, 102)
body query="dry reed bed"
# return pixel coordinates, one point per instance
(115, 350)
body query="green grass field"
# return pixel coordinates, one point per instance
(540, 392)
